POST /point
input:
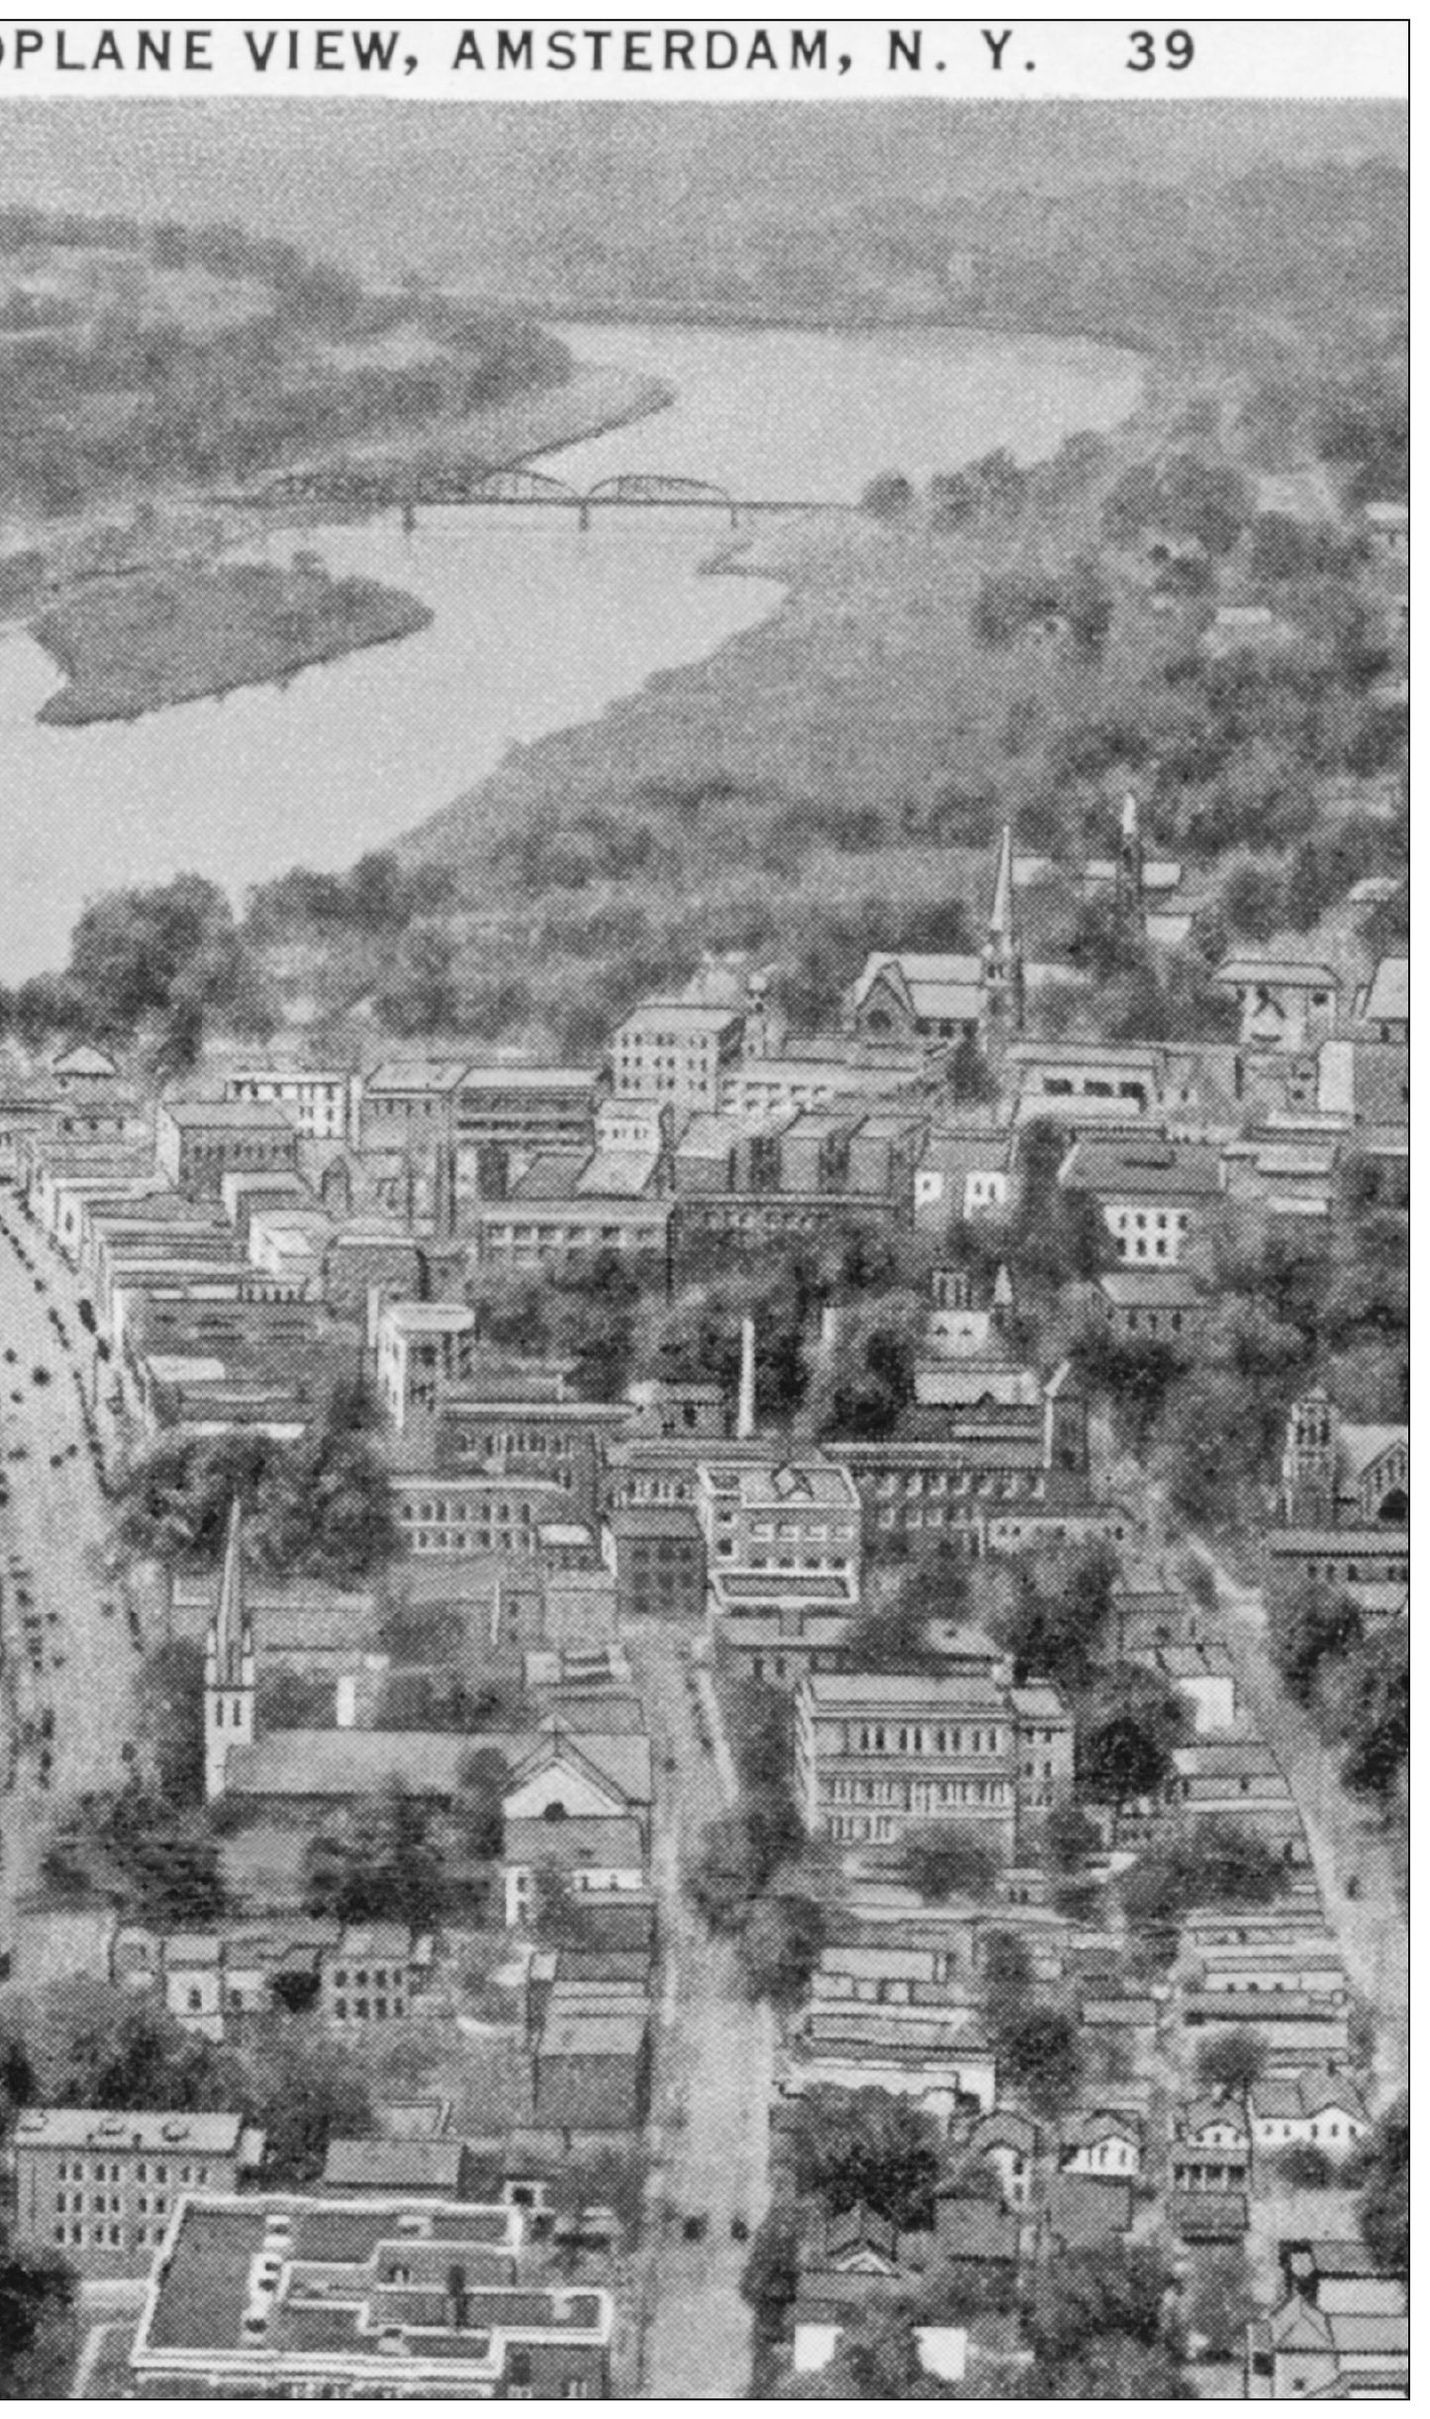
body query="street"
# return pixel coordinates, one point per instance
(69, 1654)
(1346, 1842)
(714, 2074)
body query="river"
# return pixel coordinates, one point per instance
(536, 626)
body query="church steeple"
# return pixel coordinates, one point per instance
(1002, 948)
(230, 1664)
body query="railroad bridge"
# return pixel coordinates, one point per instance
(473, 485)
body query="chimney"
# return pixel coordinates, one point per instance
(745, 1417)
(829, 1329)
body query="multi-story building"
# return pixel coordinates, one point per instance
(199, 1142)
(505, 1116)
(409, 1105)
(293, 2297)
(320, 1103)
(1153, 1194)
(986, 1475)
(101, 2186)
(657, 1553)
(537, 1234)
(876, 1755)
(784, 1552)
(677, 1052)
(515, 1424)
(456, 1516)
(422, 1348)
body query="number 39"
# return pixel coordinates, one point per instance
(1177, 50)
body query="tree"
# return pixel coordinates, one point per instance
(1038, 2048)
(171, 1699)
(1058, 1614)
(950, 1860)
(1117, 2290)
(739, 1853)
(483, 1780)
(159, 1862)
(1385, 2193)
(1321, 1627)
(1118, 2369)
(780, 1945)
(379, 1863)
(93, 2044)
(304, 2091)
(1232, 2062)
(1126, 1733)
(1371, 1709)
(152, 953)
(1305, 2166)
(867, 2148)
(1221, 2302)
(770, 2282)
(888, 497)
(899, 1636)
(38, 2333)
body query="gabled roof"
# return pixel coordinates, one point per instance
(1388, 998)
(1297, 974)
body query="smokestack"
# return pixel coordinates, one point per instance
(745, 1417)
(829, 1329)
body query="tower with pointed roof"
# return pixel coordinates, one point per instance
(1003, 949)
(1131, 890)
(230, 1665)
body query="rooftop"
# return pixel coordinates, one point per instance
(127, 2129)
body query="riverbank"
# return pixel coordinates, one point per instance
(133, 646)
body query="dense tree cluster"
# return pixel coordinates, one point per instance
(321, 1507)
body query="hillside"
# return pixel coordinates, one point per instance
(140, 359)
(1167, 216)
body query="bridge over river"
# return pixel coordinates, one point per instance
(476, 487)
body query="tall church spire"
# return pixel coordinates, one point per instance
(1002, 949)
(230, 1665)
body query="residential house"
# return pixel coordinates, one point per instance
(1315, 2105)
(1211, 2146)
(1384, 1006)
(1009, 2144)
(1100, 2142)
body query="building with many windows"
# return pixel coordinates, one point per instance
(677, 1052)
(878, 1755)
(101, 2186)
